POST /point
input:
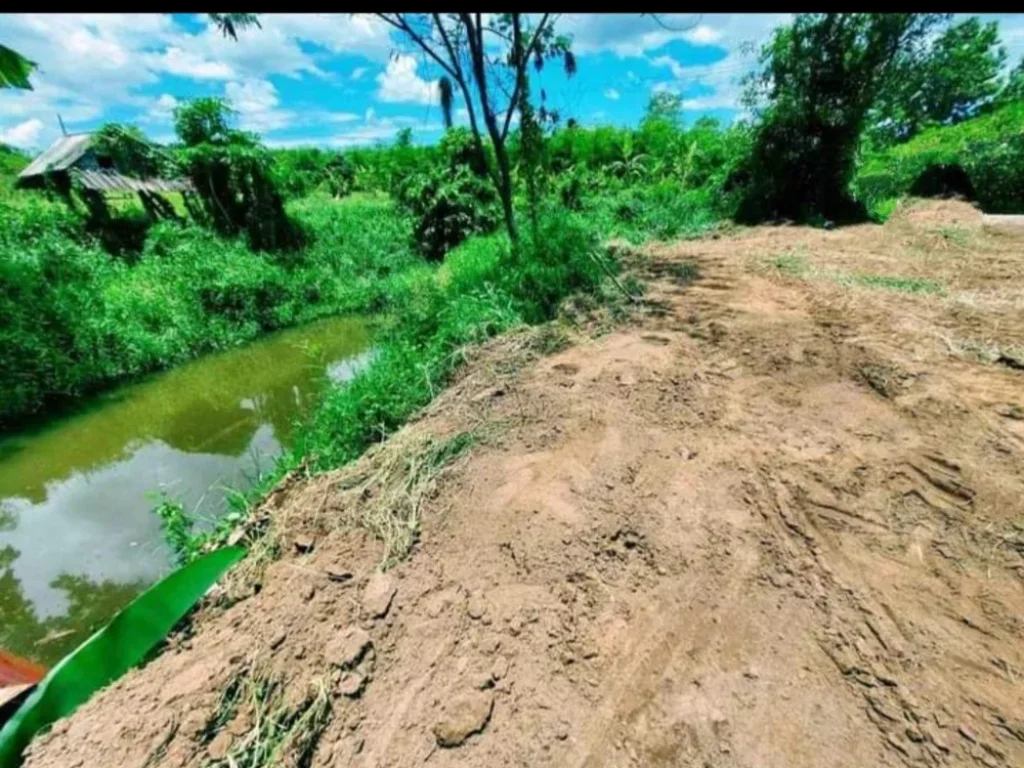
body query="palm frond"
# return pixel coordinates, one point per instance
(230, 23)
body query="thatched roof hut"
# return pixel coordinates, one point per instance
(72, 157)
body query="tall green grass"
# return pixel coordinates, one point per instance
(482, 289)
(77, 318)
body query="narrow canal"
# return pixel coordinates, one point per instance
(78, 537)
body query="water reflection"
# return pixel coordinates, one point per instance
(77, 538)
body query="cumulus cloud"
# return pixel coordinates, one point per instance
(357, 73)
(190, 63)
(400, 83)
(633, 35)
(91, 62)
(380, 130)
(23, 135)
(612, 94)
(160, 109)
(722, 79)
(257, 104)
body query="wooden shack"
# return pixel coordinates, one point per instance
(72, 160)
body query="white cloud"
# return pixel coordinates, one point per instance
(340, 117)
(161, 109)
(166, 103)
(612, 94)
(91, 62)
(400, 83)
(257, 104)
(703, 34)
(628, 35)
(24, 135)
(190, 63)
(384, 129)
(359, 34)
(722, 78)
(357, 73)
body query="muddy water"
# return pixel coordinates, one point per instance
(78, 538)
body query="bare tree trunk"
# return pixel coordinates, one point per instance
(476, 51)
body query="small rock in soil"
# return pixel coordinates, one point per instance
(377, 596)
(465, 715)
(240, 725)
(220, 745)
(500, 668)
(348, 648)
(339, 575)
(304, 544)
(351, 685)
(277, 639)
(193, 722)
(476, 607)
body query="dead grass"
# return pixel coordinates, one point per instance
(383, 494)
(262, 724)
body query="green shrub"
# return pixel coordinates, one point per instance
(989, 148)
(77, 319)
(482, 289)
(450, 198)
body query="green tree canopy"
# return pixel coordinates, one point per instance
(817, 81)
(945, 83)
(1014, 88)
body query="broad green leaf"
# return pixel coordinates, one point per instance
(14, 69)
(113, 650)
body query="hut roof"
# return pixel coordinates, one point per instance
(59, 156)
(112, 181)
(68, 150)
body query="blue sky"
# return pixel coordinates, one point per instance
(339, 80)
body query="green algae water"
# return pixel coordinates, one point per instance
(78, 538)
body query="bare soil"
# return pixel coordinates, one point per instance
(775, 519)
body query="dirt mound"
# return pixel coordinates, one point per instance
(775, 521)
(924, 214)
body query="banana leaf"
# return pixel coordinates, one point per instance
(113, 650)
(14, 69)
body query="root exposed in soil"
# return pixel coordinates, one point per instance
(775, 520)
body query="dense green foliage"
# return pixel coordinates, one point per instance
(989, 148)
(76, 318)
(449, 196)
(481, 290)
(231, 172)
(943, 83)
(819, 79)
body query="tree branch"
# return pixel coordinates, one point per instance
(663, 25)
(460, 78)
(402, 25)
(526, 55)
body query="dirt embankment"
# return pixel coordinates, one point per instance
(775, 520)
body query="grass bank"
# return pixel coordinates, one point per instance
(483, 288)
(78, 319)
